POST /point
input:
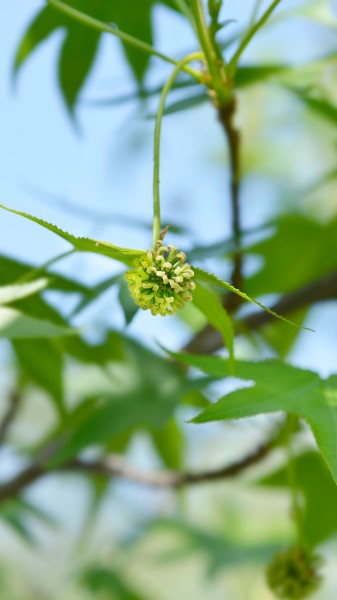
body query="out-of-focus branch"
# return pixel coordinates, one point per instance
(116, 466)
(9, 416)
(226, 116)
(320, 290)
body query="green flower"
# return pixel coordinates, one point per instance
(292, 575)
(162, 281)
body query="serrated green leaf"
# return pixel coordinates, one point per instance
(276, 387)
(124, 255)
(210, 278)
(12, 293)
(17, 325)
(217, 316)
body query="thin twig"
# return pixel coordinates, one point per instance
(9, 416)
(227, 119)
(116, 466)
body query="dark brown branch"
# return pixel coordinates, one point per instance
(325, 288)
(9, 416)
(226, 116)
(116, 466)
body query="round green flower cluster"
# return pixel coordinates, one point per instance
(162, 281)
(292, 575)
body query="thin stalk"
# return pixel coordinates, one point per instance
(249, 36)
(217, 72)
(186, 11)
(254, 13)
(85, 19)
(295, 500)
(33, 273)
(157, 138)
(227, 119)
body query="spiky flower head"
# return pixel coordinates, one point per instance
(162, 280)
(293, 575)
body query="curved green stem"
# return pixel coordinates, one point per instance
(216, 69)
(294, 491)
(85, 19)
(157, 135)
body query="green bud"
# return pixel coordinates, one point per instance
(162, 281)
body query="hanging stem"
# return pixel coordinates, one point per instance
(157, 136)
(296, 504)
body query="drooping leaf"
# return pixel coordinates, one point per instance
(76, 59)
(124, 255)
(276, 387)
(129, 19)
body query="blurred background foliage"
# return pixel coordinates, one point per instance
(77, 148)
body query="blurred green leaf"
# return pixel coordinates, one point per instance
(290, 260)
(319, 520)
(169, 443)
(99, 579)
(127, 303)
(12, 293)
(320, 106)
(15, 324)
(220, 553)
(124, 255)
(12, 270)
(41, 362)
(146, 391)
(217, 316)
